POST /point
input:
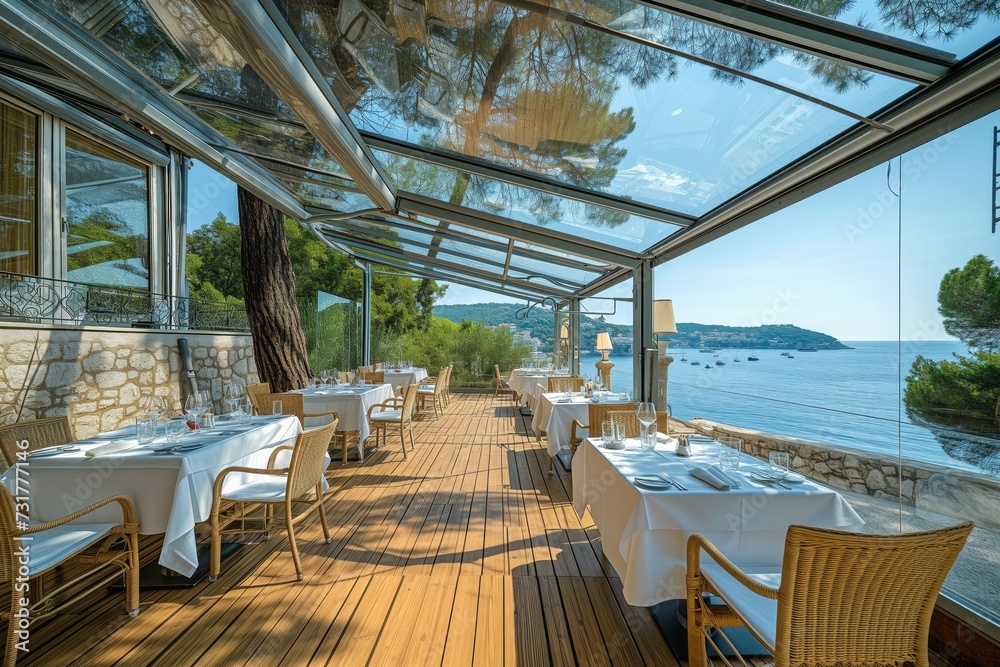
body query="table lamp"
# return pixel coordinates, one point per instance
(663, 321)
(604, 366)
(604, 344)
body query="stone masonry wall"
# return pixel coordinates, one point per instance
(956, 493)
(99, 376)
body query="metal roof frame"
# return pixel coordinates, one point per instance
(478, 167)
(71, 51)
(818, 35)
(344, 233)
(402, 254)
(265, 39)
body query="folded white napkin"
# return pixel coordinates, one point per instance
(725, 477)
(112, 447)
(706, 475)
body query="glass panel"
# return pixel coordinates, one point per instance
(107, 209)
(568, 102)
(314, 194)
(18, 183)
(954, 27)
(950, 344)
(332, 325)
(593, 223)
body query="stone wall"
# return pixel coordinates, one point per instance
(99, 376)
(956, 493)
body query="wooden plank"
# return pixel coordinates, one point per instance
(556, 627)
(489, 623)
(461, 640)
(582, 622)
(366, 625)
(531, 648)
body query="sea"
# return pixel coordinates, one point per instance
(845, 397)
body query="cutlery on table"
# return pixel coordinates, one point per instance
(770, 481)
(673, 481)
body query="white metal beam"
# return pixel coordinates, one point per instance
(262, 36)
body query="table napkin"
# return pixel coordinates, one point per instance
(721, 474)
(112, 447)
(706, 475)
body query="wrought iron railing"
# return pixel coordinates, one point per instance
(49, 301)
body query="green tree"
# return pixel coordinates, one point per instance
(969, 299)
(964, 392)
(217, 247)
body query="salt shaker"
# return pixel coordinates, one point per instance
(683, 449)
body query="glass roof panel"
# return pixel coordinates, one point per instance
(334, 199)
(568, 102)
(594, 223)
(955, 27)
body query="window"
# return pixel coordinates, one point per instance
(18, 187)
(107, 216)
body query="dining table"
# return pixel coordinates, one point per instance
(170, 482)
(644, 526)
(404, 377)
(555, 411)
(351, 403)
(523, 382)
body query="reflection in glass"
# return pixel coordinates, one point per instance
(18, 204)
(107, 211)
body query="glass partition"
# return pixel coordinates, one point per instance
(857, 330)
(332, 325)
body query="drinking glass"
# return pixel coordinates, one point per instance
(246, 410)
(145, 429)
(176, 429)
(156, 407)
(276, 408)
(646, 414)
(230, 396)
(607, 432)
(324, 376)
(779, 464)
(729, 453)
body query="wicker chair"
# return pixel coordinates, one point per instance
(39, 433)
(565, 383)
(502, 386)
(293, 404)
(447, 386)
(300, 482)
(432, 389)
(344, 377)
(375, 377)
(598, 413)
(843, 598)
(258, 393)
(394, 412)
(54, 543)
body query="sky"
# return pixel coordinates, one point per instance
(855, 261)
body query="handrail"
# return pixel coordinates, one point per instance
(41, 300)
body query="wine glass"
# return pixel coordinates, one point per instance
(192, 409)
(324, 376)
(779, 464)
(646, 414)
(232, 394)
(156, 407)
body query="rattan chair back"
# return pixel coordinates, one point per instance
(854, 599)
(38, 433)
(291, 404)
(375, 377)
(597, 413)
(305, 470)
(565, 383)
(258, 393)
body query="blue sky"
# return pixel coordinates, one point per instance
(830, 263)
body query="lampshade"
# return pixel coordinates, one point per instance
(604, 342)
(564, 332)
(663, 317)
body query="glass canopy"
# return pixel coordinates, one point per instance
(538, 146)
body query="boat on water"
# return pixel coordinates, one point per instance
(753, 358)
(807, 349)
(696, 363)
(736, 357)
(784, 354)
(707, 350)
(790, 356)
(720, 362)
(684, 356)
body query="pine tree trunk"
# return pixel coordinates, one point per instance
(279, 344)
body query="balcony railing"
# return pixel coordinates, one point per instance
(48, 301)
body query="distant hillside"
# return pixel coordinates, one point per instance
(690, 335)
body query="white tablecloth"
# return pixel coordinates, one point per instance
(524, 384)
(405, 377)
(644, 533)
(350, 403)
(554, 418)
(171, 492)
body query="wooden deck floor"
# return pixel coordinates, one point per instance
(469, 553)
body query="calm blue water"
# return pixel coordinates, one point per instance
(846, 397)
